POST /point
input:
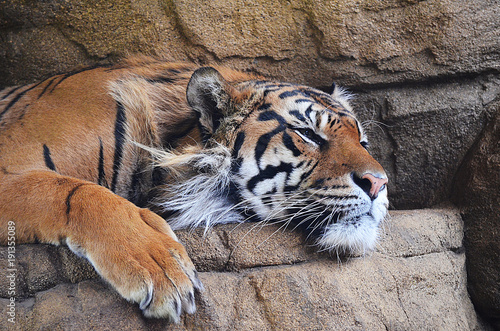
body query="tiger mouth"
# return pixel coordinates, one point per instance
(314, 224)
(344, 224)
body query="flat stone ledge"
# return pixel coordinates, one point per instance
(263, 278)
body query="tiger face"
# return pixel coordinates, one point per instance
(298, 157)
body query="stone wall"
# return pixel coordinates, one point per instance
(478, 193)
(426, 76)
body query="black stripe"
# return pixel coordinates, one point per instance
(288, 94)
(119, 142)
(290, 188)
(235, 160)
(309, 110)
(100, 168)
(69, 74)
(264, 106)
(303, 100)
(23, 112)
(46, 87)
(12, 91)
(267, 197)
(343, 113)
(263, 142)
(327, 100)
(268, 173)
(271, 115)
(270, 89)
(233, 196)
(260, 82)
(349, 124)
(298, 115)
(305, 175)
(48, 160)
(134, 193)
(68, 200)
(332, 123)
(238, 142)
(336, 197)
(59, 82)
(16, 99)
(359, 131)
(320, 183)
(288, 142)
(163, 80)
(334, 187)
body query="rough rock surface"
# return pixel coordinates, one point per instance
(261, 278)
(357, 42)
(477, 190)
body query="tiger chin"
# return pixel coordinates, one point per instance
(86, 157)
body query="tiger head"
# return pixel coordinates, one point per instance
(283, 153)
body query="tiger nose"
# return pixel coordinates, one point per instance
(371, 184)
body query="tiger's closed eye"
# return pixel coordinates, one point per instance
(309, 135)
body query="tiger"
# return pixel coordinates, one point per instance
(110, 160)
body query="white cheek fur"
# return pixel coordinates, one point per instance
(359, 236)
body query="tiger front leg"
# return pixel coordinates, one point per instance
(132, 248)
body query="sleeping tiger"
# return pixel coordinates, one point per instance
(86, 157)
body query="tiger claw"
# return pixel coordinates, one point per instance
(144, 304)
(171, 309)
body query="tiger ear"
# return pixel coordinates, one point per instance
(341, 95)
(210, 95)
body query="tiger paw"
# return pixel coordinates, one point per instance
(142, 259)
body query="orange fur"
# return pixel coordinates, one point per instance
(74, 120)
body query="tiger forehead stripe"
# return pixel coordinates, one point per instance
(305, 94)
(325, 99)
(298, 115)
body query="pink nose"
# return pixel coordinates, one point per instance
(377, 185)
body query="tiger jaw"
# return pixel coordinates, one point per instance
(334, 225)
(355, 232)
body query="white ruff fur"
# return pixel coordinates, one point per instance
(199, 194)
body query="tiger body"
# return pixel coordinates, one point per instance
(85, 156)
